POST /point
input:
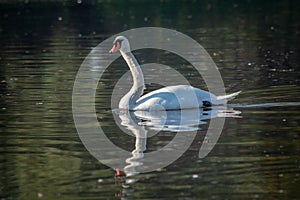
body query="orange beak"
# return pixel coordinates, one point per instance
(115, 48)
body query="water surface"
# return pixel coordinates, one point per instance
(255, 46)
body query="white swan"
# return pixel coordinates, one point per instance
(168, 98)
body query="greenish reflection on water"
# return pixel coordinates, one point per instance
(255, 46)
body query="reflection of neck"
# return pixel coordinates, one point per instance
(138, 81)
(140, 135)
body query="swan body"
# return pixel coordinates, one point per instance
(179, 97)
(168, 98)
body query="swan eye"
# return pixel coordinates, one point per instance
(118, 41)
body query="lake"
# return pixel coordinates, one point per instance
(254, 44)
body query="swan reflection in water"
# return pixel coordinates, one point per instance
(138, 124)
(178, 121)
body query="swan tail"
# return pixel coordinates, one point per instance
(228, 97)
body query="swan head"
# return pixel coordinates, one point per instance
(120, 43)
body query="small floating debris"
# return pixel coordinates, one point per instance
(195, 176)
(100, 180)
(280, 191)
(40, 195)
(161, 169)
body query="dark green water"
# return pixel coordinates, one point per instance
(255, 45)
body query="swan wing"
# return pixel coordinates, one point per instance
(173, 98)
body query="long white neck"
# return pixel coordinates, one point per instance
(129, 100)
